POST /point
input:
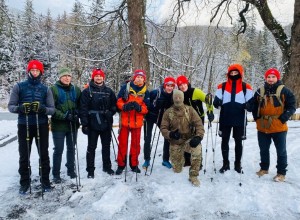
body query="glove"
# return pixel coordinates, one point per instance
(24, 108)
(85, 130)
(37, 108)
(217, 102)
(175, 135)
(69, 117)
(210, 116)
(195, 141)
(208, 99)
(108, 114)
(248, 106)
(128, 107)
(137, 107)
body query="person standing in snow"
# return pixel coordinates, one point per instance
(65, 123)
(195, 97)
(232, 97)
(97, 107)
(182, 126)
(133, 99)
(160, 100)
(273, 105)
(33, 101)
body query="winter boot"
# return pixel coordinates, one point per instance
(135, 169)
(225, 167)
(23, 189)
(279, 178)
(72, 174)
(46, 188)
(109, 171)
(237, 167)
(56, 179)
(167, 164)
(91, 175)
(119, 170)
(262, 172)
(194, 180)
(146, 164)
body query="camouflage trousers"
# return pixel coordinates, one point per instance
(177, 157)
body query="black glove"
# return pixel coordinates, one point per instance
(70, 117)
(137, 107)
(175, 135)
(195, 141)
(24, 108)
(108, 114)
(85, 130)
(37, 108)
(208, 99)
(210, 116)
(128, 107)
(217, 102)
(248, 106)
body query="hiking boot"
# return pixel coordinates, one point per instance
(90, 175)
(146, 164)
(23, 189)
(225, 167)
(279, 178)
(120, 169)
(56, 179)
(72, 174)
(47, 188)
(108, 171)
(194, 180)
(167, 164)
(237, 167)
(262, 172)
(135, 169)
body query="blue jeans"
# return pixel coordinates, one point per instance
(264, 142)
(58, 140)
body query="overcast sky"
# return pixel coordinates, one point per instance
(281, 9)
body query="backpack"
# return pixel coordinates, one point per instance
(277, 94)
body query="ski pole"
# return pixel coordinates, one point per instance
(215, 144)
(155, 152)
(112, 140)
(28, 150)
(208, 129)
(75, 166)
(244, 133)
(39, 149)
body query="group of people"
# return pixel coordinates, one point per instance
(177, 113)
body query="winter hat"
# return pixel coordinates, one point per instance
(35, 64)
(273, 71)
(181, 80)
(169, 80)
(98, 72)
(178, 97)
(237, 67)
(64, 71)
(139, 72)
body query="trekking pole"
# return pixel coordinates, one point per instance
(28, 150)
(155, 152)
(127, 158)
(214, 145)
(208, 128)
(73, 143)
(39, 149)
(112, 140)
(245, 122)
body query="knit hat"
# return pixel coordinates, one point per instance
(63, 72)
(181, 80)
(274, 72)
(98, 72)
(35, 64)
(178, 97)
(169, 80)
(237, 67)
(139, 72)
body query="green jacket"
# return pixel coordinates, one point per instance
(66, 100)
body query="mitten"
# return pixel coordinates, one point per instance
(175, 135)
(195, 141)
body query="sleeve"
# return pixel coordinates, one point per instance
(165, 124)
(50, 107)
(113, 106)
(289, 105)
(59, 115)
(255, 104)
(13, 103)
(84, 107)
(198, 123)
(218, 100)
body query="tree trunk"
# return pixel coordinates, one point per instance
(138, 35)
(293, 78)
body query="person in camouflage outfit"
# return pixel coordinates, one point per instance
(183, 127)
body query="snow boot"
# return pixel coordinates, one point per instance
(23, 189)
(167, 164)
(279, 178)
(91, 175)
(237, 167)
(72, 174)
(135, 169)
(119, 170)
(146, 164)
(262, 172)
(108, 171)
(194, 180)
(56, 179)
(46, 188)
(225, 167)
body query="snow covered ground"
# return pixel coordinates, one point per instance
(164, 194)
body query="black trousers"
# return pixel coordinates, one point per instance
(105, 137)
(25, 150)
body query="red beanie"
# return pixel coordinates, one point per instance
(169, 80)
(181, 80)
(273, 71)
(237, 67)
(139, 72)
(35, 64)
(98, 72)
